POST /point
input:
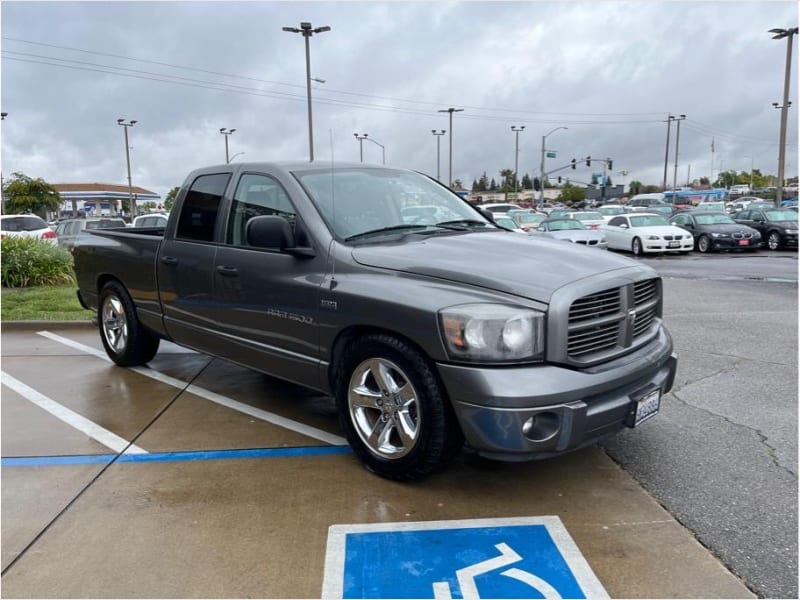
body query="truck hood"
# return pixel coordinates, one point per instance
(516, 264)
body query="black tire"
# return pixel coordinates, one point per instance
(409, 393)
(704, 244)
(127, 343)
(636, 246)
(774, 240)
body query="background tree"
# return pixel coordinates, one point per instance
(169, 201)
(474, 187)
(483, 183)
(634, 187)
(527, 184)
(704, 181)
(571, 193)
(25, 194)
(493, 185)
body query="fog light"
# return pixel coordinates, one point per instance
(541, 427)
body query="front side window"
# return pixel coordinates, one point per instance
(617, 221)
(682, 220)
(648, 221)
(200, 208)
(256, 195)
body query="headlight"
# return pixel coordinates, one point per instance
(721, 235)
(492, 332)
(791, 231)
(653, 237)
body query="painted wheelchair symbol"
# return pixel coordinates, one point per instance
(469, 589)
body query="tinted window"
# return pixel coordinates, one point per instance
(198, 216)
(105, 224)
(26, 223)
(617, 221)
(744, 215)
(256, 195)
(681, 219)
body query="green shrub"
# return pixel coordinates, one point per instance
(28, 262)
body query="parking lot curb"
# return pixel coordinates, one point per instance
(40, 324)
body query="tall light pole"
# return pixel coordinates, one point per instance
(450, 171)
(679, 118)
(669, 121)
(383, 149)
(2, 193)
(752, 163)
(516, 130)
(541, 166)
(128, 161)
(438, 135)
(226, 132)
(361, 139)
(308, 31)
(780, 34)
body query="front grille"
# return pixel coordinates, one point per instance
(669, 237)
(739, 235)
(613, 319)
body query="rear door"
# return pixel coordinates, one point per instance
(185, 264)
(267, 301)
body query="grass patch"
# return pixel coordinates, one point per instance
(48, 303)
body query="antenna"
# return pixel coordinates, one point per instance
(332, 246)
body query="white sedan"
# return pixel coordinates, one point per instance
(644, 232)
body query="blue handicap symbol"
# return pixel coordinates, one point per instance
(512, 561)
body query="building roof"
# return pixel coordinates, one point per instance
(99, 187)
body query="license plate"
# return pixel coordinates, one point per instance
(674, 245)
(744, 242)
(643, 408)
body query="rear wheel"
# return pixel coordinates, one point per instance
(704, 244)
(393, 409)
(126, 342)
(774, 240)
(636, 247)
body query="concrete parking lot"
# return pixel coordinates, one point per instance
(197, 478)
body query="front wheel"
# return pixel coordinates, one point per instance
(774, 240)
(704, 244)
(636, 247)
(126, 342)
(393, 410)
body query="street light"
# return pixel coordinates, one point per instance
(670, 119)
(751, 172)
(438, 135)
(383, 149)
(361, 139)
(2, 196)
(679, 118)
(128, 161)
(226, 132)
(541, 166)
(450, 173)
(516, 130)
(780, 34)
(308, 31)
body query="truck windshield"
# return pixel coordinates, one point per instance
(354, 201)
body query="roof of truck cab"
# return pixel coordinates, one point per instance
(289, 166)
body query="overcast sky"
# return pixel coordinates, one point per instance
(609, 71)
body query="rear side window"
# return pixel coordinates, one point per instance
(25, 223)
(198, 216)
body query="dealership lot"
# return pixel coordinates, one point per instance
(235, 479)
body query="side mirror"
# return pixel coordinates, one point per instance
(275, 233)
(623, 226)
(486, 214)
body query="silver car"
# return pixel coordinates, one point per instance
(572, 230)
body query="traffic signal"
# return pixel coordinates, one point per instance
(559, 179)
(610, 163)
(588, 161)
(573, 163)
(536, 184)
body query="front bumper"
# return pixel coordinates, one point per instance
(663, 246)
(533, 412)
(733, 244)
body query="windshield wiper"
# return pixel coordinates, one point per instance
(466, 224)
(380, 230)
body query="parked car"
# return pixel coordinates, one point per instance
(645, 233)
(308, 273)
(527, 220)
(69, 230)
(739, 189)
(29, 226)
(508, 223)
(717, 231)
(610, 210)
(560, 213)
(591, 218)
(151, 220)
(572, 230)
(499, 208)
(778, 226)
(642, 201)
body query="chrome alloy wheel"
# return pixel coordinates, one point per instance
(384, 408)
(115, 324)
(774, 240)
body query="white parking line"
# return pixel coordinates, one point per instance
(71, 418)
(307, 430)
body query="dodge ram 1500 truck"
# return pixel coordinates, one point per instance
(429, 324)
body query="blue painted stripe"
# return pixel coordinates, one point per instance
(91, 459)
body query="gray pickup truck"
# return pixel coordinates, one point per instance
(429, 324)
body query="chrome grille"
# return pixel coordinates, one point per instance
(613, 319)
(669, 237)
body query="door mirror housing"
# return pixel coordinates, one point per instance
(274, 233)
